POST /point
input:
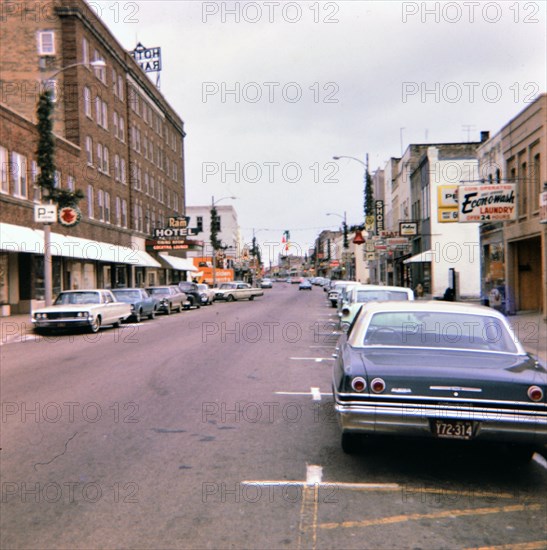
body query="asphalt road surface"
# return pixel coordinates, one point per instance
(214, 428)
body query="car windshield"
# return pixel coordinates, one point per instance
(380, 295)
(203, 287)
(227, 285)
(420, 329)
(66, 298)
(127, 295)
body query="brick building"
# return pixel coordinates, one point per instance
(117, 140)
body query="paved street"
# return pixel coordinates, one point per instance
(214, 428)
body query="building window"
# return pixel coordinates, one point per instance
(57, 179)
(70, 183)
(100, 72)
(85, 51)
(100, 204)
(120, 87)
(89, 150)
(124, 213)
(37, 194)
(46, 43)
(87, 102)
(123, 171)
(90, 201)
(19, 175)
(115, 123)
(121, 132)
(99, 157)
(4, 164)
(536, 183)
(114, 82)
(98, 111)
(523, 189)
(116, 167)
(104, 115)
(107, 207)
(118, 211)
(146, 183)
(106, 160)
(199, 224)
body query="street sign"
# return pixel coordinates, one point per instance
(45, 213)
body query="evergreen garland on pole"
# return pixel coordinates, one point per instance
(369, 198)
(46, 156)
(215, 243)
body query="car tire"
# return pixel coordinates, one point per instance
(520, 454)
(229, 298)
(138, 316)
(168, 310)
(117, 324)
(153, 314)
(95, 325)
(349, 443)
(251, 298)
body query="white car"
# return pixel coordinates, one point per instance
(359, 295)
(89, 309)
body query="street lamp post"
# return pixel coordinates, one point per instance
(214, 242)
(48, 261)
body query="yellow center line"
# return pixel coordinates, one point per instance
(436, 515)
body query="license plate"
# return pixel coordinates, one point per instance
(61, 325)
(453, 429)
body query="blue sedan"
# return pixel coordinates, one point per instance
(436, 370)
(142, 304)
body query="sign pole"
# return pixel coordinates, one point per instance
(48, 279)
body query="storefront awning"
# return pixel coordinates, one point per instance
(182, 264)
(427, 256)
(16, 238)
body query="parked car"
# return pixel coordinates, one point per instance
(266, 283)
(439, 370)
(237, 291)
(192, 292)
(207, 294)
(304, 285)
(89, 309)
(335, 289)
(358, 295)
(142, 304)
(170, 298)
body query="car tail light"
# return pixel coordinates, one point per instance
(535, 393)
(377, 385)
(359, 384)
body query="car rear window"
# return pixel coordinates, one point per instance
(419, 329)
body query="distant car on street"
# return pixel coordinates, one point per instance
(170, 298)
(207, 294)
(142, 304)
(304, 285)
(266, 283)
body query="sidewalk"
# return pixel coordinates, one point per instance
(529, 327)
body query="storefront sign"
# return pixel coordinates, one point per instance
(447, 203)
(379, 210)
(408, 229)
(487, 203)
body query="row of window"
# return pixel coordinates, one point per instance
(101, 210)
(153, 188)
(146, 219)
(142, 109)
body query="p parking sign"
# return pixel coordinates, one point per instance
(45, 213)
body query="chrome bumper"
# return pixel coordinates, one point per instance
(414, 420)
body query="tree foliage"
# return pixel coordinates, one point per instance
(215, 242)
(368, 195)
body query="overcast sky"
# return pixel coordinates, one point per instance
(270, 91)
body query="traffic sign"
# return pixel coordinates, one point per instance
(45, 213)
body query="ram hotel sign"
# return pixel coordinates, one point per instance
(172, 237)
(487, 203)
